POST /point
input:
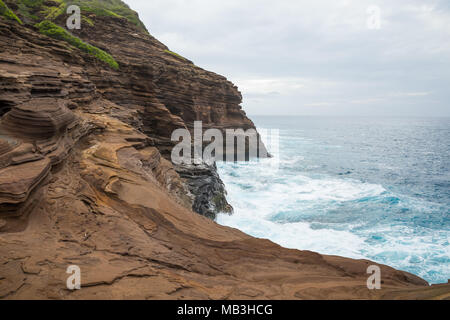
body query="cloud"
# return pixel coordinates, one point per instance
(412, 94)
(289, 55)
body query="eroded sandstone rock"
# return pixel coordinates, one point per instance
(85, 180)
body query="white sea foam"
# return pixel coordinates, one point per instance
(267, 203)
(296, 235)
(256, 200)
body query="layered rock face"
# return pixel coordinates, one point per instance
(36, 135)
(168, 92)
(85, 179)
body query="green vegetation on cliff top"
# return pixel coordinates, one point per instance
(44, 13)
(52, 30)
(174, 54)
(6, 12)
(38, 10)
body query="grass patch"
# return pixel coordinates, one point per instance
(175, 54)
(52, 30)
(7, 12)
(39, 10)
(109, 8)
(28, 9)
(51, 13)
(87, 20)
(32, 3)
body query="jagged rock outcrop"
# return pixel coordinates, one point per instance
(85, 180)
(210, 194)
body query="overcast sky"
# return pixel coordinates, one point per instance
(322, 57)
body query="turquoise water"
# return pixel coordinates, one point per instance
(373, 188)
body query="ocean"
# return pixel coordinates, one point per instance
(373, 188)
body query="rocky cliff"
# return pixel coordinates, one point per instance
(85, 176)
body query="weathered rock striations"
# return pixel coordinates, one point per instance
(210, 194)
(85, 179)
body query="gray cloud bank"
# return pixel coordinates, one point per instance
(291, 57)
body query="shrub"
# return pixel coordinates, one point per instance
(6, 12)
(52, 30)
(51, 13)
(174, 54)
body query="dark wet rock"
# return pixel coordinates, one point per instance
(207, 189)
